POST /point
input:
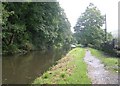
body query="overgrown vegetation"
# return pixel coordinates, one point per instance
(34, 26)
(69, 70)
(110, 63)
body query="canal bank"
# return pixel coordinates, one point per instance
(69, 70)
(24, 68)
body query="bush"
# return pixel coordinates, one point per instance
(12, 49)
(26, 46)
(90, 45)
(108, 48)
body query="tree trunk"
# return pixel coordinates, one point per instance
(11, 39)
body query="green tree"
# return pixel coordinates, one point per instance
(13, 25)
(88, 27)
(32, 25)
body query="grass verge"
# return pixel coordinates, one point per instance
(69, 70)
(111, 63)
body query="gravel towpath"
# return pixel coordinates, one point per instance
(97, 72)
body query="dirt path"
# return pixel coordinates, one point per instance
(97, 72)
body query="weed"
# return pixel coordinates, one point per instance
(62, 75)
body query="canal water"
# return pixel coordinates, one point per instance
(24, 69)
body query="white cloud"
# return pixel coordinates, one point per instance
(74, 8)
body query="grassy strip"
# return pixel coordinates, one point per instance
(69, 70)
(110, 63)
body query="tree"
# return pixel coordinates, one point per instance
(32, 25)
(88, 27)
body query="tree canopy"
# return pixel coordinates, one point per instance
(34, 25)
(88, 29)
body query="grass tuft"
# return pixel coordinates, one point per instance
(62, 75)
(46, 75)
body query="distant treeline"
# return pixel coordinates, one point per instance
(34, 26)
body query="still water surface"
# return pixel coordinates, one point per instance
(23, 69)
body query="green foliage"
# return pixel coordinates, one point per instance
(35, 25)
(88, 27)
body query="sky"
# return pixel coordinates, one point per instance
(74, 8)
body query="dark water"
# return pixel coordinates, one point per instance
(0, 69)
(23, 69)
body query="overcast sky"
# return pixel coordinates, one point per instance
(74, 8)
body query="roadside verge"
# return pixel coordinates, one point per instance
(110, 63)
